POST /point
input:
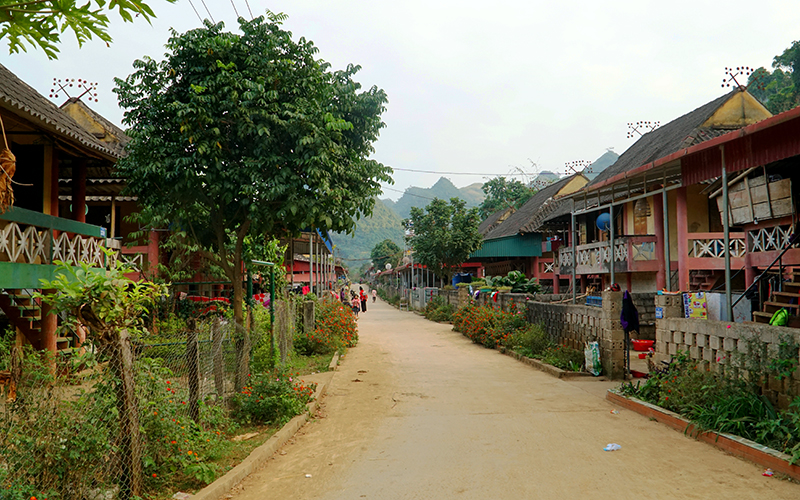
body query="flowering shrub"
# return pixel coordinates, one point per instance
(335, 328)
(486, 326)
(272, 398)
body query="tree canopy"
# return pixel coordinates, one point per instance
(237, 135)
(443, 235)
(39, 23)
(502, 193)
(385, 252)
(778, 90)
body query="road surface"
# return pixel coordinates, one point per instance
(416, 411)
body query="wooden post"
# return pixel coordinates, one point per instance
(193, 369)
(218, 360)
(130, 442)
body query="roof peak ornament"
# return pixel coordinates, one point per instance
(83, 86)
(637, 127)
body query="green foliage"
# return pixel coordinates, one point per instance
(502, 194)
(486, 326)
(531, 341)
(515, 281)
(335, 328)
(778, 90)
(721, 403)
(385, 252)
(104, 300)
(237, 135)
(437, 309)
(564, 357)
(443, 235)
(271, 398)
(41, 22)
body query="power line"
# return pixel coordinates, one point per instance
(459, 173)
(195, 11)
(209, 12)
(248, 9)
(410, 194)
(234, 9)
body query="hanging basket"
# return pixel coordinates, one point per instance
(8, 165)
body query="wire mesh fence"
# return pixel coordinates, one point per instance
(124, 420)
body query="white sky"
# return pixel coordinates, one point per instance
(483, 87)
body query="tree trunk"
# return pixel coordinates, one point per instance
(130, 441)
(241, 334)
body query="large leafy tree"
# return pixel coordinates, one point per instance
(41, 22)
(443, 235)
(501, 194)
(779, 90)
(235, 135)
(385, 252)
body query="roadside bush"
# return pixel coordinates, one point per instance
(335, 328)
(531, 341)
(564, 357)
(438, 309)
(487, 326)
(272, 398)
(721, 403)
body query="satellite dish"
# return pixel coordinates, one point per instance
(388, 266)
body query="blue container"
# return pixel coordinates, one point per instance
(462, 278)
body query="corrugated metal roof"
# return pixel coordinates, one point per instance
(518, 245)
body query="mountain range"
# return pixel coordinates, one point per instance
(387, 216)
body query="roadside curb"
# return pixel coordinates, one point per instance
(734, 445)
(549, 369)
(257, 457)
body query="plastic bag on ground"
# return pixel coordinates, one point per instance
(592, 355)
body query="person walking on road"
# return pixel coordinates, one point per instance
(363, 295)
(374, 295)
(355, 303)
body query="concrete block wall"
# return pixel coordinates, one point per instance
(716, 346)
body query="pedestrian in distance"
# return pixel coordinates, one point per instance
(355, 303)
(374, 295)
(363, 296)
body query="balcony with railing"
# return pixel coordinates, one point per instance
(707, 250)
(31, 242)
(765, 243)
(631, 254)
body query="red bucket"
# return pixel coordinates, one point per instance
(642, 345)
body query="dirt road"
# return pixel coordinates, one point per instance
(417, 411)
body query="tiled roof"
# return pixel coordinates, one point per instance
(522, 217)
(680, 133)
(16, 95)
(492, 221)
(115, 139)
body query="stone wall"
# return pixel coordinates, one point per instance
(719, 345)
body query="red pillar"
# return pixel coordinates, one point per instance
(49, 326)
(658, 220)
(556, 284)
(152, 253)
(683, 240)
(79, 191)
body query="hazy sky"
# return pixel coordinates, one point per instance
(483, 87)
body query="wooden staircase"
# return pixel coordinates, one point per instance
(789, 299)
(703, 280)
(25, 313)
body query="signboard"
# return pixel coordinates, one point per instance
(695, 305)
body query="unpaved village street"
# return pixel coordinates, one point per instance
(417, 411)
